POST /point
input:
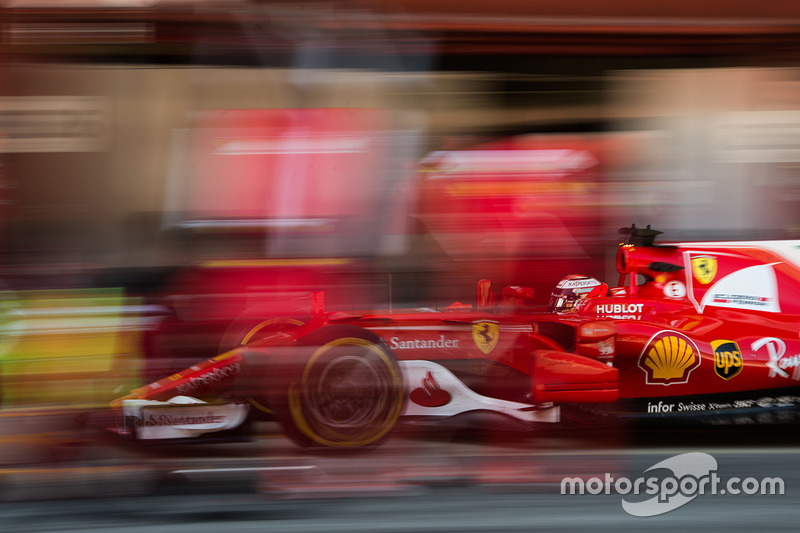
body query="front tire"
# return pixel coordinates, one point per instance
(347, 391)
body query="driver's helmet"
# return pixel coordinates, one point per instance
(573, 289)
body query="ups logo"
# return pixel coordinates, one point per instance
(727, 358)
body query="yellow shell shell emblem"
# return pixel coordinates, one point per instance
(669, 358)
(485, 334)
(704, 268)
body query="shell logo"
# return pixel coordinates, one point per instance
(668, 358)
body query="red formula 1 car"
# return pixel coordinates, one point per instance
(706, 330)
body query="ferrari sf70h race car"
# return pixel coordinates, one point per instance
(707, 330)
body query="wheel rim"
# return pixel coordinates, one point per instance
(350, 394)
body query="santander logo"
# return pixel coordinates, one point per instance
(430, 394)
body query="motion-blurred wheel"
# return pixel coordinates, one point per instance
(346, 390)
(251, 329)
(248, 330)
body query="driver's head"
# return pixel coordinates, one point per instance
(574, 289)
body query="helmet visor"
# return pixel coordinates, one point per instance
(562, 300)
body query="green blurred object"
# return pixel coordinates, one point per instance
(67, 348)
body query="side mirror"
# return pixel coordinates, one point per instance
(486, 298)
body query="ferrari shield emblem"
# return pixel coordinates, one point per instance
(485, 334)
(704, 268)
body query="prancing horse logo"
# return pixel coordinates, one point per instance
(485, 334)
(704, 268)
